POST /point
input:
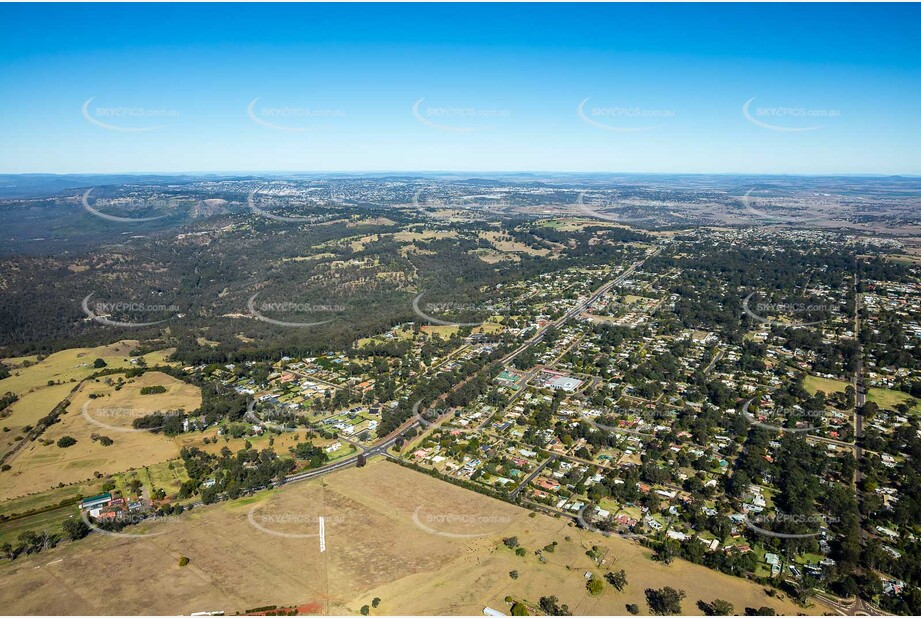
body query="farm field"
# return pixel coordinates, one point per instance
(50, 498)
(39, 467)
(445, 331)
(48, 521)
(27, 411)
(450, 558)
(74, 365)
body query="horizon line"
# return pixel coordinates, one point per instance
(468, 172)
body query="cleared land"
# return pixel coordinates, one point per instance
(44, 384)
(889, 399)
(73, 365)
(421, 545)
(39, 467)
(813, 384)
(26, 412)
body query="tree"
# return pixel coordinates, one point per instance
(513, 574)
(549, 605)
(870, 585)
(511, 542)
(718, 607)
(595, 586)
(633, 608)
(365, 610)
(664, 601)
(665, 553)
(375, 602)
(66, 441)
(519, 609)
(99, 363)
(361, 461)
(75, 529)
(183, 561)
(618, 579)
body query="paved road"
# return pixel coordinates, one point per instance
(381, 447)
(856, 607)
(579, 307)
(532, 476)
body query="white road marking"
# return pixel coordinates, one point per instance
(322, 535)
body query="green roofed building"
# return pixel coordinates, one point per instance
(96, 501)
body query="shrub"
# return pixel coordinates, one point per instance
(595, 586)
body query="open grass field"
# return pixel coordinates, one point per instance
(39, 467)
(813, 384)
(506, 244)
(579, 223)
(421, 545)
(887, 399)
(48, 521)
(445, 331)
(49, 498)
(28, 410)
(166, 475)
(280, 444)
(74, 365)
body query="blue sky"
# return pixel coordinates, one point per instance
(836, 89)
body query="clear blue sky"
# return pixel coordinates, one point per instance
(837, 88)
